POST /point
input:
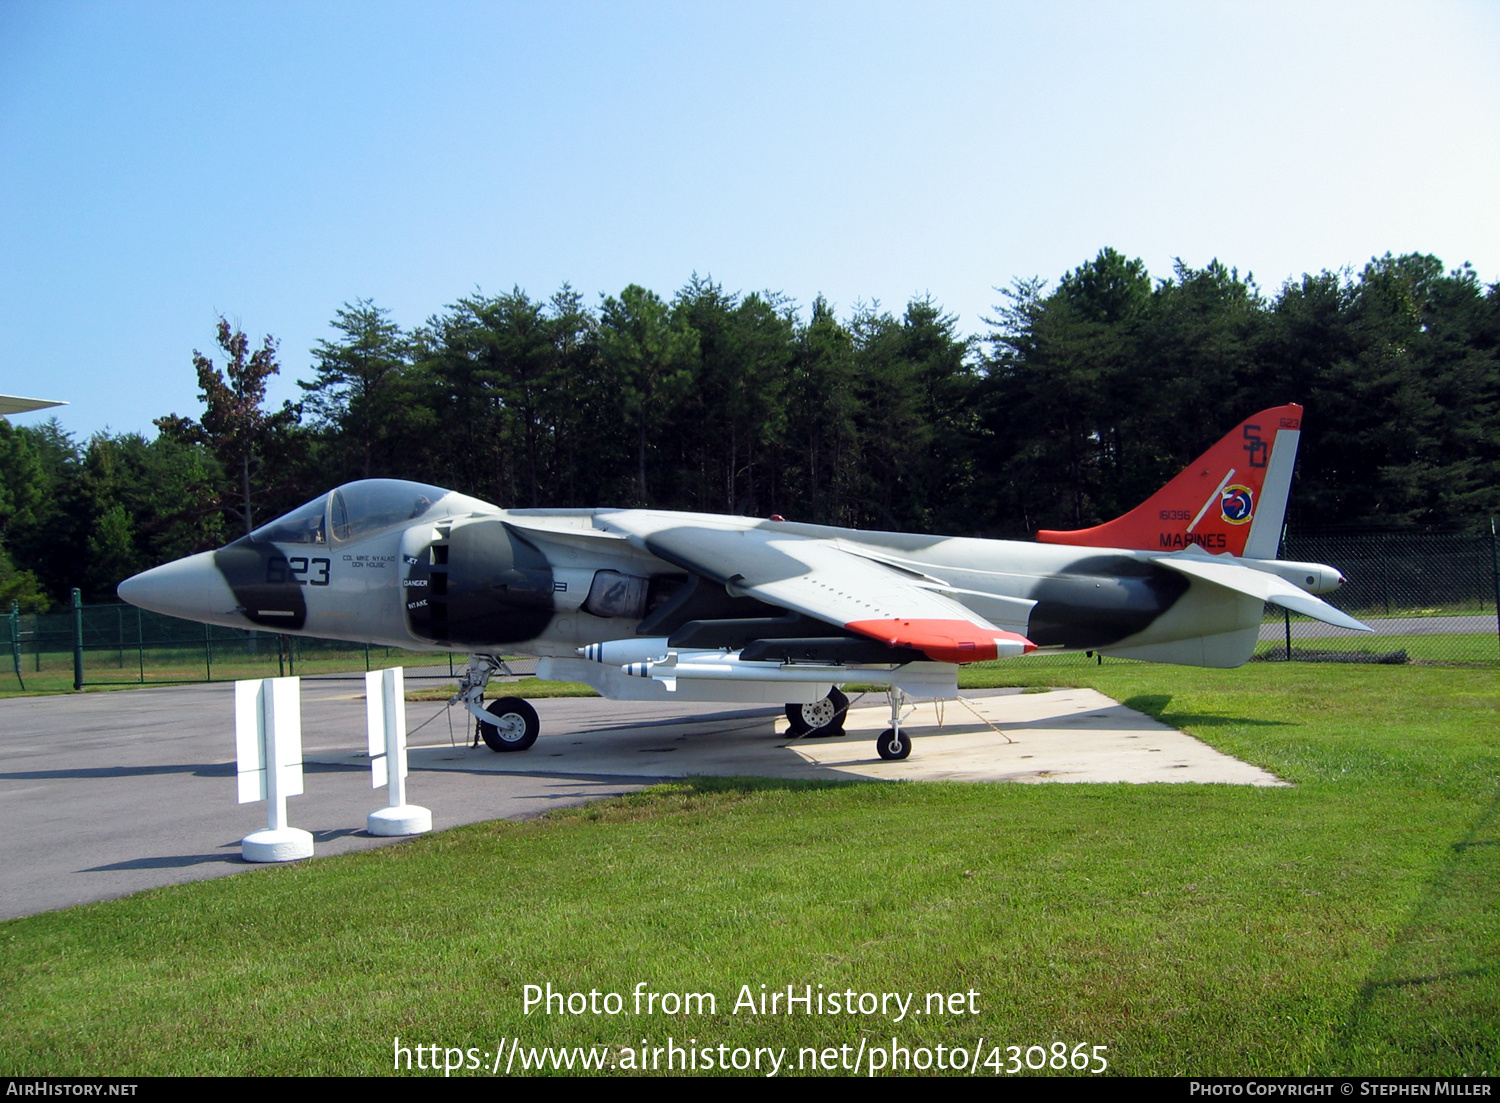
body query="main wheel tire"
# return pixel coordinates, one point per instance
(891, 745)
(515, 728)
(821, 718)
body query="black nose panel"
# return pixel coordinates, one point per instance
(483, 586)
(268, 590)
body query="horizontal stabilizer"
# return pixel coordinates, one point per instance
(1267, 587)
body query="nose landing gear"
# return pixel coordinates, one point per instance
(507, 724)
(515, 726)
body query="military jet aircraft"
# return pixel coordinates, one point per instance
(652, 605)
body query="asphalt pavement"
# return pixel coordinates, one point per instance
(1475, 624)
(106, 794)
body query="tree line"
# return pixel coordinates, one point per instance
(1078, 401)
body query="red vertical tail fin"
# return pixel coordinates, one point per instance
(1230, 499)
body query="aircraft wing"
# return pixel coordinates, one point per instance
(15, 404)
(817, 579)
(1267, 587)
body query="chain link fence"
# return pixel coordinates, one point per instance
(1431, 598)
(105, 645)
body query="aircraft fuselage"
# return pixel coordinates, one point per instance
(467, 576)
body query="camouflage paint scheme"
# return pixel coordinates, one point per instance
(1182, 579)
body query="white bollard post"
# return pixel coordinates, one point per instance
(268, 739)
(385, 719)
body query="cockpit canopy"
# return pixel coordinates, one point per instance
(352, 512)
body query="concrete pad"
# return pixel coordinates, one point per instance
(1062, 735)
(993, 735)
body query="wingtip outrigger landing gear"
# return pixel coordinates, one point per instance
(893, 743)
(509, 723)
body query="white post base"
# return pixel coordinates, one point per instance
(285, 844)
(405, 819)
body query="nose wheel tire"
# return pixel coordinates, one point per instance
(515, 728)
(892, 744)
(821, 718)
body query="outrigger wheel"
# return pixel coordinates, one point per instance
(819, 719)
(515, 728)
(893, 743)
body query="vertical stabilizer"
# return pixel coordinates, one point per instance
(1230, 499)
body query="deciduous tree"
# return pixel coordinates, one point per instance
(236, 430)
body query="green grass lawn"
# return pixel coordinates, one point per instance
(1483, 648)
(500, 687)
(1349, 923)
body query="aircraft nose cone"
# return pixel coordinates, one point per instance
(190, 588)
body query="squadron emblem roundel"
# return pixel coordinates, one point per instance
(1238, 504)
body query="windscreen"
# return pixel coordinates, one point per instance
(351, 512)
(304, 525)
(358, 509)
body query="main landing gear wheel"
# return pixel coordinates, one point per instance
(819, 719)
(893, 744)
(515, 728)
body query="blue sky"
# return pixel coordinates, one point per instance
(162, 163)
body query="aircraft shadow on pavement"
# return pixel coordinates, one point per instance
(702, 784)
(1046, 723)
(205, 769)
(171, 861)
(104, 773)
